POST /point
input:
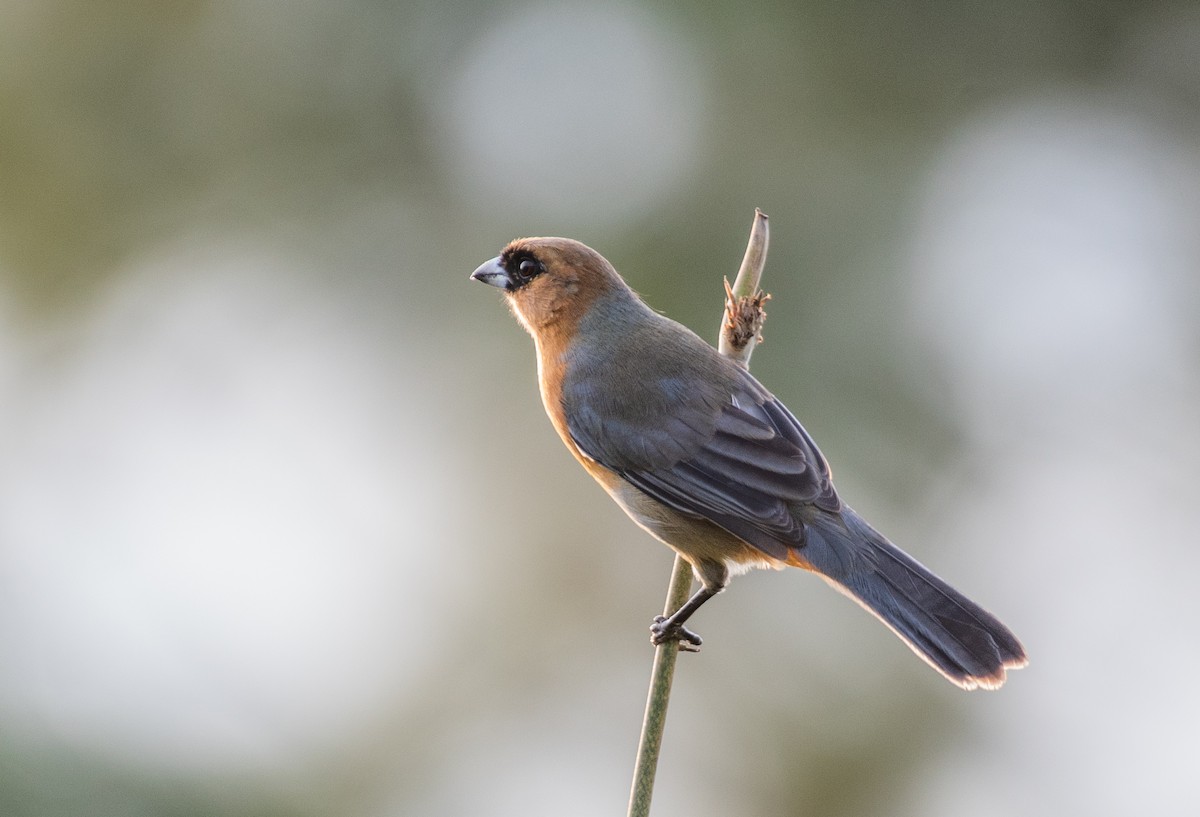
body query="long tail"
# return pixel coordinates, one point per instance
(953, 634)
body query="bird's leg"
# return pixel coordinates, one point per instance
(666, 629)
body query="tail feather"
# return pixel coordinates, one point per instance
(953, 634)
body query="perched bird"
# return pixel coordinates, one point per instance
(708, 461)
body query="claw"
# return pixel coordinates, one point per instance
(661, 631)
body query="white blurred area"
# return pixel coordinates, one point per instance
(207, 521)
(1054, 276)
(1056, 257)
(597, 129)
(283, 527)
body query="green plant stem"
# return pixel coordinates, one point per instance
(661, 676)
(745, 289)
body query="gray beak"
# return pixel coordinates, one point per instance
(490, 272)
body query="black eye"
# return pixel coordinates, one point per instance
(528, 269)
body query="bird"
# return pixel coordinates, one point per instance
(708, 461)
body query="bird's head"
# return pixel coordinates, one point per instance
(549, 281)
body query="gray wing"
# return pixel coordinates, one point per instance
(739, 459)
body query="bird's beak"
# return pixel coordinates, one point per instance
(490, 272)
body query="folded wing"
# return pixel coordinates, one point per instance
(744, 463)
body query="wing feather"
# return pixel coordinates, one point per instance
(743, 462)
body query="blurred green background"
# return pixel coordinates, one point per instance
(284, 531)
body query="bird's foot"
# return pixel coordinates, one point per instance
(662, 631)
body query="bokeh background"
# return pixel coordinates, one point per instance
(284, 531)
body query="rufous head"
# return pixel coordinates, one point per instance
(549, 281)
